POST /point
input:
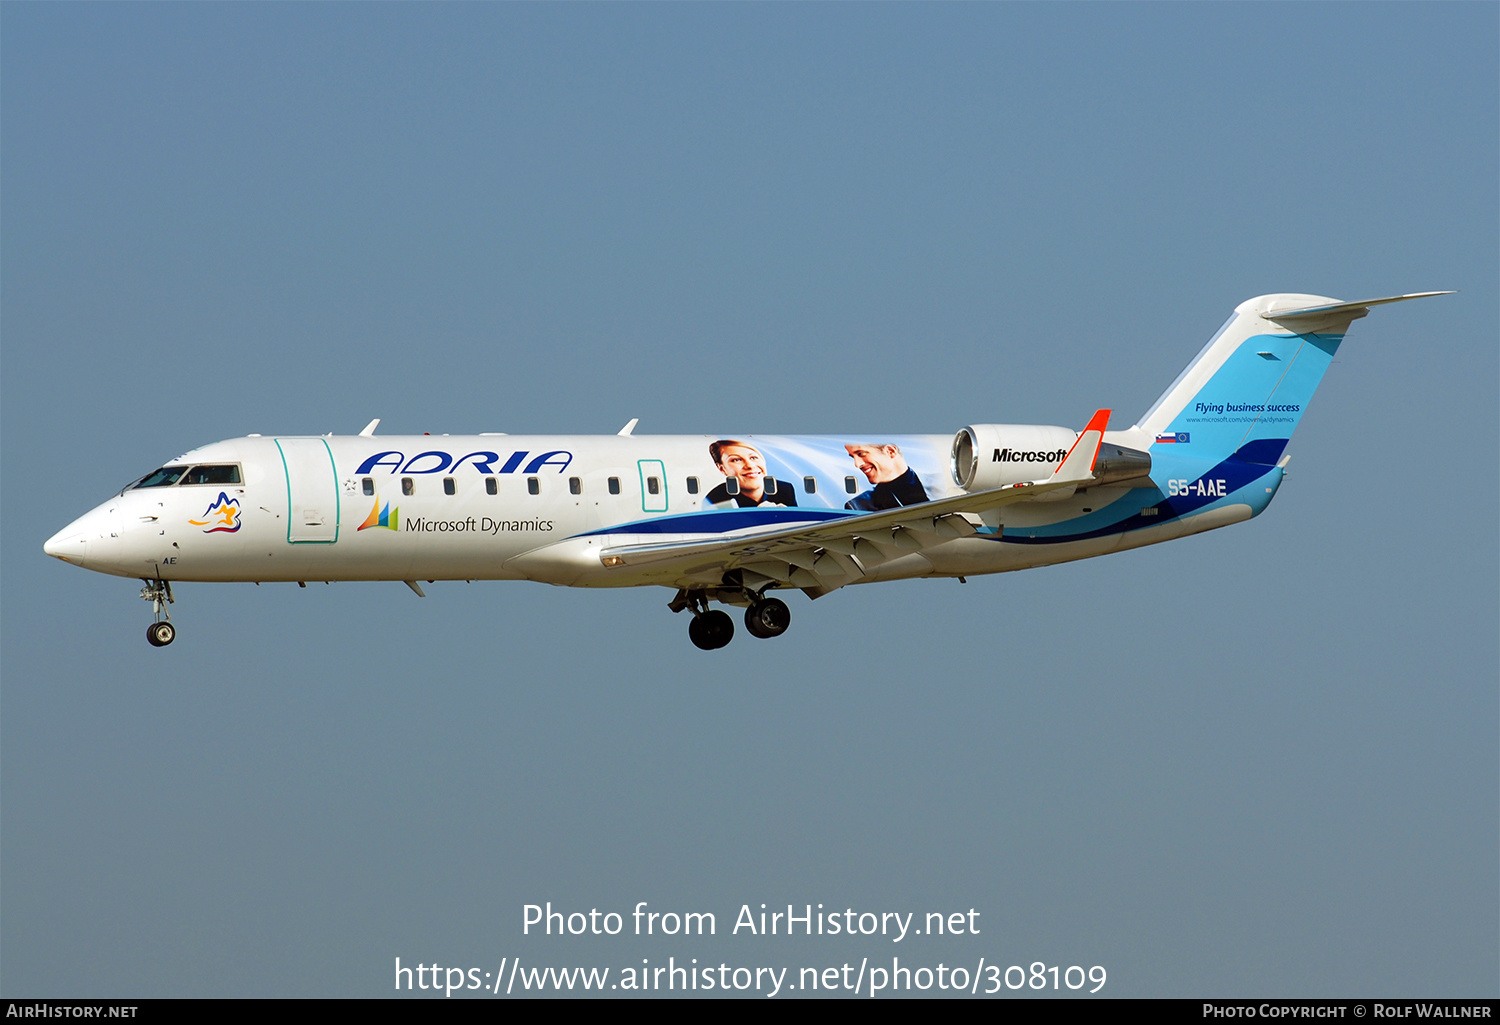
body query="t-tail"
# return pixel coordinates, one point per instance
(1243, 395)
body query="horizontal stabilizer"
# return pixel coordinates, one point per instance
(1354, 309)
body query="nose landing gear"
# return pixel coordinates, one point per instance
(159, 594)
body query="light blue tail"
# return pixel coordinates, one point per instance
(1247, 389)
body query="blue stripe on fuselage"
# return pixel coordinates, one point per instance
(723, 521)
(1234, 472)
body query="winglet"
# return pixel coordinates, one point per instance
(1079, 463)
(624, 432)
(369, 431)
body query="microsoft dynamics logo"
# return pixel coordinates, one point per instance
(382, 516)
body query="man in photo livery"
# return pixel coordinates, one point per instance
(896, 484)
(745, 484)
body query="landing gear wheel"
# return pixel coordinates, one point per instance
(161, 634)
(711, 630)
(768, 617)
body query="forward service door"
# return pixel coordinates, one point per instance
(312, 490)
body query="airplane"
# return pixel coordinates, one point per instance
(729, 519)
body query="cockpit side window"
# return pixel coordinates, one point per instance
(228, 474)
(163, 478)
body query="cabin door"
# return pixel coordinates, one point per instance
(312, 490)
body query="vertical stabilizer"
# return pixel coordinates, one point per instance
(1247, 389)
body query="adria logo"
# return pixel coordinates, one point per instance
(434, 461)
(221, 517)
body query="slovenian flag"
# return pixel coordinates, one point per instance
(1180, 438)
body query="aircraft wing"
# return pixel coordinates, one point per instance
(832, 553)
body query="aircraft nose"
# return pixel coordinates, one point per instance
(69, 544)
(73, 542)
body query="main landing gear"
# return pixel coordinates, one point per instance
(159, 594)
(712, 628)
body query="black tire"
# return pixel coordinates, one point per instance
(161, 634)
(700, 634)
(723, 626)
(768, 617)
(711, 630)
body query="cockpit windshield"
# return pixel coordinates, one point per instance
(218, 474)
(163, 478)
(212, 475)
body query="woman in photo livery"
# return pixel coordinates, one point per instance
(746, 483)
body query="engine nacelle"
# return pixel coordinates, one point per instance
(991, 455)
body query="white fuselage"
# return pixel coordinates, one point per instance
(526, 507)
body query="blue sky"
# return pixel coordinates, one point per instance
(1268, 769)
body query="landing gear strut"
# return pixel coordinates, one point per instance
(159, 594)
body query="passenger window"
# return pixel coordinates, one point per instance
(653, 486)
(448, 486)
(771, 485)
(692, 485)
(533, 486)
(407, 487)
(212, 475)
(810, 485)
(849, 485)
(731, 485)
(163, 478)
(490, 487)
(575, 486)
(614, 485)
(367, 486)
